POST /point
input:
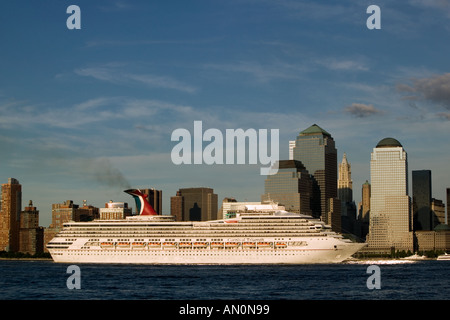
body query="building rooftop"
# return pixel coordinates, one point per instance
(314, 130)
(442, 227)
(290, 164)
(389, 142)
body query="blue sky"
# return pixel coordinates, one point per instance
(86, 113)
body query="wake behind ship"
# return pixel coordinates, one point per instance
(276, 237)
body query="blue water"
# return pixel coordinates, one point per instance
(46, 280)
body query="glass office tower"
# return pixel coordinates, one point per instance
(290, 187)
(315, 148)
(421, 185)
(390, 213)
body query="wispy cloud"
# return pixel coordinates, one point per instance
(121, 77)
(314, 10)
(361, 110)
(435, 89)
(266, 72)
(444, 115)
(262, 73)
(101, 110)
(343, 64)
(146, 42)
(440, 6)
(116, 6)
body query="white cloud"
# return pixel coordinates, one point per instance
(361, 110)
(343, 64)
(262, 73)
(435, 89)
(121, 77)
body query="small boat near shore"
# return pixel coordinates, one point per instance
(444, 256)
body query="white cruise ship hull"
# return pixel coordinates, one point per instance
(288, 257)
(312, 253)
(277, 238)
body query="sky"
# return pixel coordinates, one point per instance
(86, 113)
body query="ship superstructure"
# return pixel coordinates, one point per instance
(250, 237)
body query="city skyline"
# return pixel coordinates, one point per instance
(84, 114)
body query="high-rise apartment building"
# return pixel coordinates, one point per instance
(10, 215)
(290, 187)
(115, 211)
(421, 200)
(67, 211)
(194, 204)
(30, 234)
(315, 149)
(390, 209)
(64, 212)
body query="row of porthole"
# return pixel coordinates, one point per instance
(183, 254)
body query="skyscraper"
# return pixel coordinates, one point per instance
(10, 215)
(390, 209)
(448, 207)
(437, 212)
(154, 197)
(345, 195)
(364, 209)
(421, 189)
(345, 184)
(291, 149)
(291, 187)
(31, 235)
(194, 204)
(176, 206)
(67, 211)
(315, 148)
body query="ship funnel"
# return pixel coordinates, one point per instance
(144, 208)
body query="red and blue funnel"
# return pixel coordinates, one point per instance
(142, 205)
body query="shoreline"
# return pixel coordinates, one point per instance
(352, 259)
(43, 259)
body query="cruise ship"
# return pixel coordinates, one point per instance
(277, 237)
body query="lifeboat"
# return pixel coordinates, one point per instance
(154, 244)
(185, 245)
(231, 244)
(138, 245)
(280, 245)
(216, 244)
(249, 245)
(169, 245)
(263, 245)
(200, 244)
(107, 245)
(123, 245)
